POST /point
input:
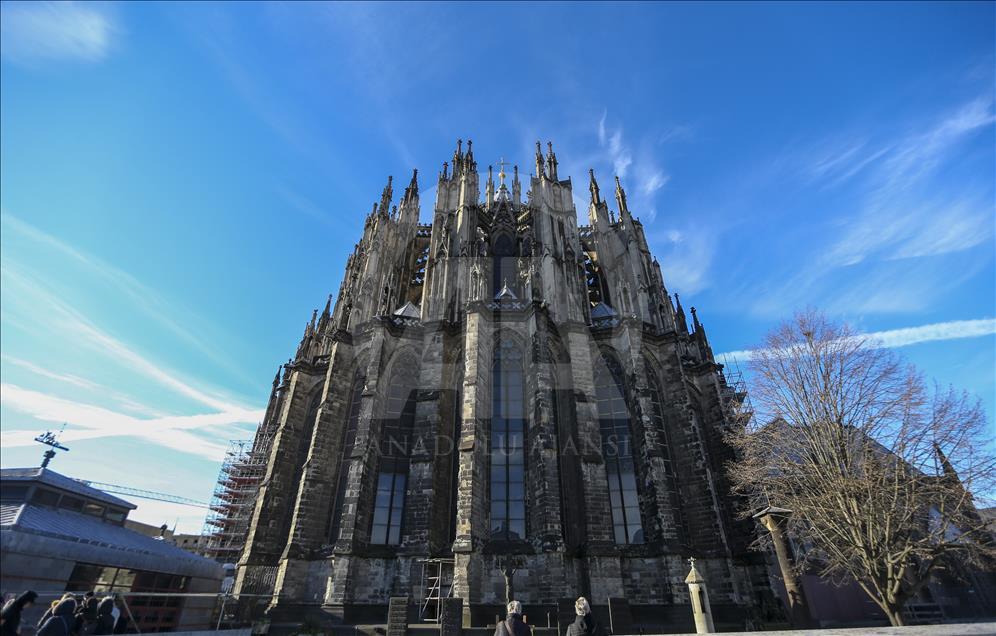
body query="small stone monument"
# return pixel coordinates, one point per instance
(699, 596)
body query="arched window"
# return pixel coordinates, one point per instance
(508, 431)
(348, 441)
(395, 446)
(617, 451)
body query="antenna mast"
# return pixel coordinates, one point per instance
(51, 440)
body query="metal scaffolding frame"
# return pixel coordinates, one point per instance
(437, 584)
(234, 498)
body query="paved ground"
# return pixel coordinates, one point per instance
(961, 629)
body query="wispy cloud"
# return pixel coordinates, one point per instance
(894, 338)
(90, 422)
(611, 142)
(70, 321)
(67, 378)
(34, 32)
(138, 295)
(896, 217)
(306, 206)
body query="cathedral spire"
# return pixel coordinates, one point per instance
(324, 318)
(679, 315)
(701, 337)
(385, 198)
(489, 188)
(458, 157)
(551, 161)
(539, 162)
(596, 198)
(411, 192)
(516, 186)
(621, 201)
(469, 163)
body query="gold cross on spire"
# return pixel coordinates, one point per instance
(501, 171)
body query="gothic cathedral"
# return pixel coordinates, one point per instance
(500, 402)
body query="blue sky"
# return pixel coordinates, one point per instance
(181, 185)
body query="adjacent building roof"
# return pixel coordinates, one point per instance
(81, 528)
(61, 482)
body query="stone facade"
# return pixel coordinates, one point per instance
(502, 386)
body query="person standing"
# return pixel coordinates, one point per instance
(585, 623)
(105, 617)
(513, 625)
(62, 620)
(10, 616)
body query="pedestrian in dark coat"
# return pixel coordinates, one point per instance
(513, 625)
(10, 616)
(62, 620)
(51, 608)
(86, 616)
(585, 623)
(105, 617)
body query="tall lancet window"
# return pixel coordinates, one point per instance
(504, 268)
(508, 431)
(617, 451)
(348, 441)
(395, 446)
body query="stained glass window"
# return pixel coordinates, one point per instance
(617, 451)
(395, 446)
(508, 429)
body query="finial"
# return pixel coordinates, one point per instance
(459, 146)
(446, 167)
(621, 199)
(695, 320)
(539, 150)
(549, 147)
(593, 186)
(515, 173)
(470, 147)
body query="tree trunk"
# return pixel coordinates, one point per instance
(895, 614)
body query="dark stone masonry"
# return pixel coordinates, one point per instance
(500, 399)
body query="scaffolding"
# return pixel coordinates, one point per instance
(437, 584)
(234, 498)
(737, 396)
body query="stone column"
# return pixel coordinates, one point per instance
(471, 505)
(774, 520)
(699, 596)
(598, 515)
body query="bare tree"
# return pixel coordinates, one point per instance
(877, 468)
